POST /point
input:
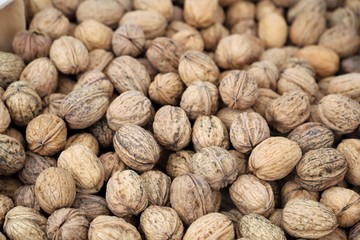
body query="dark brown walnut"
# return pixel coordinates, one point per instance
(288, 111)
(248, 130)
(126, 194)
(308, 219)
(164, 7)
(350, 149)
(172, 128)
(99, 59)
(5, 119)
(191, 197)
(102, 132)
(136, 147)
(95, 78)
(265, 73)
(84, 107)
(292, 190)
(200, 98)
(166, 89)
(127, 73)
(30, 45)
(34, 165)
(238, 90)
(312, 135)
(212, 225)
(300, 7)
(11, 66)
(12, 155)
(189, 40)
(274, 158)
(209, 131)
(346, 84)
(339, 113)
(278, 56)
(159, 222)
(67, 223)
(345, 203)
(213, 34)
(25, 196)
(23, 102)
(85, 167)
(8, 186)
(252, 195)
(228, 115)
(6, 205)
(85, 139)
(131, 107)
(54, 189)
(107, 227)
(216, 165)
(237, 50)
(164, 53)
(157, 186)
(321, 168)
(23, 222)
(91, 205)
(46, 134)
(255, 226)
(111, 163)
(179, 163)
(128, 39)
(354, 232)
(265, 96)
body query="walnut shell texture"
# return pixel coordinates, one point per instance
(157, 186)
(5, 119)
(350, 149)
(25, 196)
(91, 205)
(128, 39)
(179, 163)
(12, 155)
(6, 205)
(85, 139)
(292, 190)
(111, 163)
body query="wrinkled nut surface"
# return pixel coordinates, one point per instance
(128, 39)
(12, 155)
(308, 219)
(157, 186)
(5, 119)
(350, 149)
(179, 163)
(136, 147)
(93, 206)
(195, 15)
(54, 189)
(292, 190)
(102, 132)
(274, 158)
(126, 194)
(25, 196)
(85, 139)
(111, 163)
(11, 67)
(6, 204)
(346, 84)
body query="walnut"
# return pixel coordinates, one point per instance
(200, 98)
(213, 34)
(265, 7)
(102, 132)
(265, 73)
(339, 113)
(276, 37)
(12, 155)
(6, 205)
(195, 15)
(11, 67)
(34, 165)
(8, 186)
(23, 221)
(161, 222)
(346, 84)
(292, 190)
(5, 119)
(85, 139)
(157, 186)
(54, 189)
(93, 206)
(320, 168)
(248, 130)
(164, 7)
(275, 217)
(278, 56)
(36, 6)
(317, 220)
(228, 115)
(238, 90)
(265, 97)
(68, 7)
(95, 78)
(337, 234)
(152, 22)
(25, 196)
(240, 160)
(111, 163)
(46, 134)
(128, 39)
(126, 73)
(136, 147)
(240, 11)
(350, 149)
(69, 55)
(99, 59)
(107, 227)
(179, 163)
(152, 71)
(305, 6)
(312, 136)
(107, 12)
(52, 103)
(67, 223)
(189, 40)
(248, 26)
(354, 232)
(191, 197)
(31, 45)
(237, 50)
(94, 35)
(344, 16)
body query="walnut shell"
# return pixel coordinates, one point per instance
(126, 73)
(126, 194)
(238, 90)
(252, 195)
(54, 189)
(247, 26)
(308, 219)
(46, 134)
(52, 103)
(91, 205)
(136, 147)
(189, 40)
(68, 7)
(215, 225)
(5, 119)
(107, 227)
(102, 132)
(179, 163)
(275, 217)
(85, 139)
(128, 39)
(157, 186)
(67, 223)
(265, 73)
(12, 155)
(265, 96)
(95, 78)
(339, 113)
(350, 149)
(281, 154)
(273, 30)
(228, 115)
(99, 59)
(337, 234)
(26, 222)
(23, 102)
(195, 15)
(347, 85)
(254, 226)
(151, 22)
(11, 66)
(288, 111)
(213, 34)
(240, 11)
(25, 196)
(344, 16)
(321, 168)
(191, 197)
(8, 186)
(312, 135)
(300, 7)
(292, 190)
(84, 106)
(159, 222)
(111, 163)
(172, 128)
(6, 205)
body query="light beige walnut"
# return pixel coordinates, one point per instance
(213, 34)
(157, 186)
(12, 155)
(228, 115)
(350, 149)
(128, 39)
(99, 59)
(111, 163)
(68, 7)
(344, 16)
(265, 96)
(305, 6)
(5, 119)
(195, 15)
(189, 40)
(6, 204)
(85, 139)
(52, 103)
(25, 196)
(92, 205)
(298, 63)
(8, 186)
(273, 30)
(240, 11)
(179, 163)
(346, 84)
(95, 78)
(265, 73)
(292, 190)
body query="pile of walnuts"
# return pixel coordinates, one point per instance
(183, 119)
